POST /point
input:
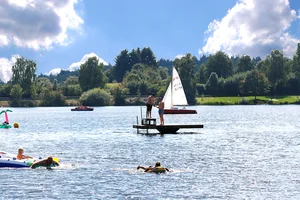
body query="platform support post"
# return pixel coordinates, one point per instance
(137, 123)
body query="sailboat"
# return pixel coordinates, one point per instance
(175, 96)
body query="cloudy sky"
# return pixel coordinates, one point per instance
(62, 34)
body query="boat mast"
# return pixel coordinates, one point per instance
(172, 88)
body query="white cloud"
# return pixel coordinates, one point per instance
(179, 56)
(5, 68)
(55, 71)
(253, 27)
(37, 24)
(76, 65)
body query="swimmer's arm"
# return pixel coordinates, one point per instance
(33, 166)
(27, 157)
(147, 169)
(55, 163)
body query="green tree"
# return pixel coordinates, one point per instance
(219, 63)
(166, 63)
(186, 68)
(16, 95)
(201, 75)
(24, 75)
(230, 86)
(71, 87)
(42, 85)
(55, 85)
(123, 65)
(91, 74)
(296, 63)
(263, 66)
(277, 71)
(53, 98)
(144, 80)
(212, 83)
(147, 57)
(95, 97)
(71, 80)
(119, 95)
(244, 63)
(255, 83)
(110, 74)
(72, 90)
(5, 90)
(135, 57)
(16, 92)
(132, 82)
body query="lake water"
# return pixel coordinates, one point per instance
(243, 152)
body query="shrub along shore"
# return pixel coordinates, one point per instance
(249, 100)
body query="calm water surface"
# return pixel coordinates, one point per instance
(243, 152)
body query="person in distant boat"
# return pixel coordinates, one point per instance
(161, 107)
(157, 168)
(21, 155)
(47, 162)
(149, 104)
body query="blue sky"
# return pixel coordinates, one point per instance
(61, 34)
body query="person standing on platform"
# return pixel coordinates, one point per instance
(149, 104)
(161, 107)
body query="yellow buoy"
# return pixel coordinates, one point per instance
(16, 125)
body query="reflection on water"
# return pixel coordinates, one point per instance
(243, 152)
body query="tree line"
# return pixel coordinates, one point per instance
(137, 73)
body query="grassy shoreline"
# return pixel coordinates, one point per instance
(250, 100)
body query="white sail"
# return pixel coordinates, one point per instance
(168, 97)
(175, 95)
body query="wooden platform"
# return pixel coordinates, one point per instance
(164, 129)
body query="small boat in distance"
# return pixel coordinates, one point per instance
(175, 96)
(82, 108)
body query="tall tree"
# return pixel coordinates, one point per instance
(203, 59)
(219, 63)
(201, 75)
(244, 63)
(296, 63)
(166, 63)
(148, 57)
(16, 92)
(71, 80)
(24, 75)
(43, 85)
(255, 83)
(123, 65)
(16, 95)
(135, 57)
(91, 74)
(212, 83)
(277, 70)
(55, 85)
(186, 68)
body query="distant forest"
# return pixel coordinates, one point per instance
(138, 73)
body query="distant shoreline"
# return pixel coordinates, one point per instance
(250, 100)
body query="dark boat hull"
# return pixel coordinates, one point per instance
(179, 111)
(82, 109)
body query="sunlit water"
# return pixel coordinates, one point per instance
(243, 152)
